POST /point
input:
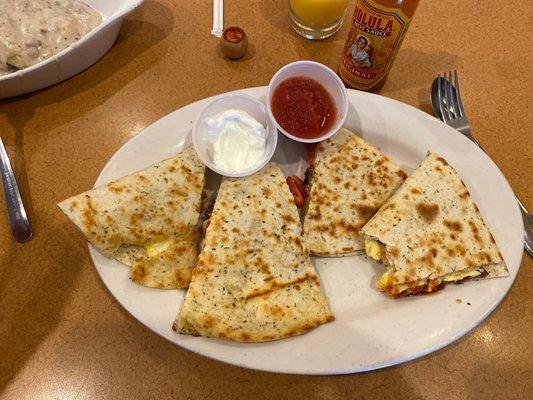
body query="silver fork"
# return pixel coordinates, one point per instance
(448, 107)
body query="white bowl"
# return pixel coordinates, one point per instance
(242, 102)
(323, 75)
(77, 57)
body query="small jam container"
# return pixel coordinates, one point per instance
(329, 81)
(239, 101)
(234, 42)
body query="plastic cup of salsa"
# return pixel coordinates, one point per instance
(327, 79)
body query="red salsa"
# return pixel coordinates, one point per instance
(303, 107)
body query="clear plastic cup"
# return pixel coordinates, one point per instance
(234, 101)
(323, 75)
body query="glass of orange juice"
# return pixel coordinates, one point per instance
(317, 19)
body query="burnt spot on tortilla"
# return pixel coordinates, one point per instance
(275, 310)
(464, 195)
(142, 178)
(427, 259)
(262, 265)
(416, 191)
(453, 236)
(209, 321)
(484, 257)
(266, 192)
(371, 178)
(393, 252)
(364, 196)
(289, 218)
(171, 168)
(460, 250)
(88, 214)
(347, 185)
(365, 212)
(278, 204)
(427, 211)
(138, 273)
(277, 286)
(401, 174)
(442, 161)
(334, 160)
(236, 230)
(438, 168)
(453, 225)
(337, 180)
(439, 270)
(475, 231)
(346, 249)
(115, 187)
(433, 252)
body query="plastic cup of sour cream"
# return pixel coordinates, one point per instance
(222, 156)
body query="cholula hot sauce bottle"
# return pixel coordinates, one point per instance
(377, 29)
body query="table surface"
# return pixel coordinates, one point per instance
(63, 336)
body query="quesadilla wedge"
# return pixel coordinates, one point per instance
(254, 281)
(349, 180)
(430, 232)
(147, 220)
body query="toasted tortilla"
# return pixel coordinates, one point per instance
(254, 281)
(147, 220)
(430, 232)
(349, 181)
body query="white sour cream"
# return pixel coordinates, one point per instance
(235, 140)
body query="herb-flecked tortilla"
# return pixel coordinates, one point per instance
(349, 181)
(430, 232)
(254, 281)
(147, 220)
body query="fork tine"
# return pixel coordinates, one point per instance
(448, 96)
(440, 92)
(458, 95)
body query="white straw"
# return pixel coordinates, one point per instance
(218, 18)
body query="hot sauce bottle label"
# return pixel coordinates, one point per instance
(375, 36)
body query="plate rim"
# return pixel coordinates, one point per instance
(284, 370)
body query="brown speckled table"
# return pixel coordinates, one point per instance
(62, 336)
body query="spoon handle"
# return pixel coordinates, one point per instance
(20, 226)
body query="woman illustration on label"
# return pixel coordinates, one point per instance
(358, 53)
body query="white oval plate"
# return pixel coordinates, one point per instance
(75, 58)
(371, 330)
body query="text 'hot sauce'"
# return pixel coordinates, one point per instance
(377, 30)
(303, 107)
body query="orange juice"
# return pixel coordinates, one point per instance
(319, 13)
(317, 19)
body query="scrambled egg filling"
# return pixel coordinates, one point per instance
(375, 250)
(155, 248)
(385, 284)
